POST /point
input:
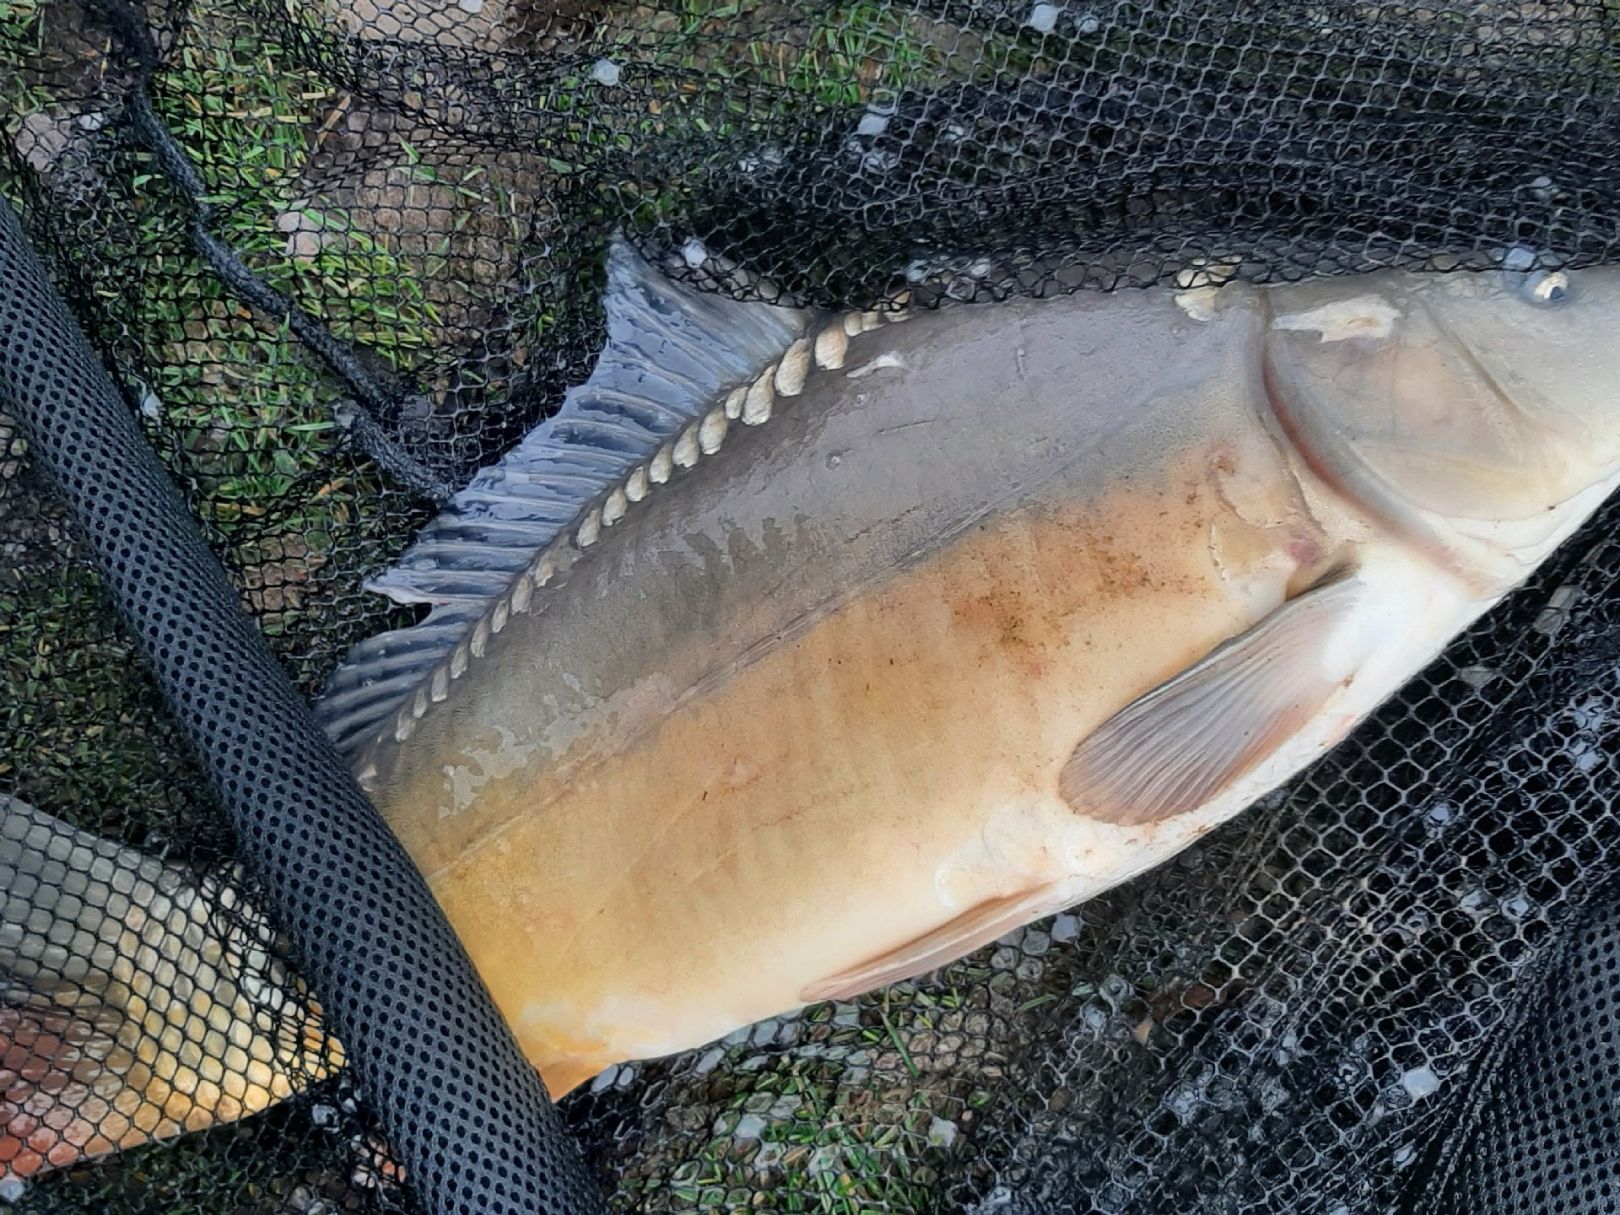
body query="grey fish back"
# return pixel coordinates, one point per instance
(787, 520)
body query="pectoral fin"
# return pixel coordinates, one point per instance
(978, 926)
(1182, 744)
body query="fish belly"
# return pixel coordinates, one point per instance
(880, 772)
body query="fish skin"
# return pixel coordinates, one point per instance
(100, 1052)
(813, 700)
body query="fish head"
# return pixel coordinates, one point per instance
(1476, 415)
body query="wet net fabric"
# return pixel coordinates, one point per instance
(336, 258)
(401, 990)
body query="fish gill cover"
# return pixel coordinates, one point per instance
(338, 257)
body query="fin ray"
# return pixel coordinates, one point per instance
(671, 352)
(1176, 748)
(976, 927)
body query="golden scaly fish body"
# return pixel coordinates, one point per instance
(811, 716)
(138, 1002)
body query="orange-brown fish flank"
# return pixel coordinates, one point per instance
(813, 732)
(1000, 615)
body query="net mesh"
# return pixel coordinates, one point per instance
(339, 257)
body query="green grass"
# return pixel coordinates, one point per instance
(828, 1150)
(828, 56)
(22, 26)
(244, 410)
(81, 739)
(842, 1122)
(850, 55)
(255, 408)
(240, 412)
(22, 42)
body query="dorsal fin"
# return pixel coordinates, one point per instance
(672, 353)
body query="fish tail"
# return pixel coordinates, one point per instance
(137, 1000)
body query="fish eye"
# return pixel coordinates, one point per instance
(1547, 288)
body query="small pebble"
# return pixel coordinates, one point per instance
(1043, 18)
(1420, 1082)
(942, 1134)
